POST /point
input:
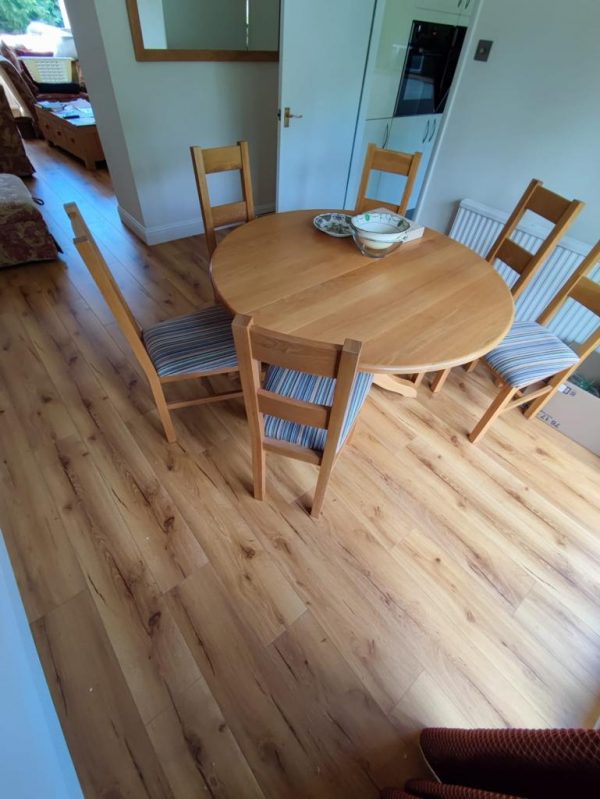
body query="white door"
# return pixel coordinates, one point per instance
(323, 53)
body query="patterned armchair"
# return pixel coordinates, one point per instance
(24, 235)
(507, 764)
(13, 158)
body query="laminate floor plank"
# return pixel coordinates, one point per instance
(110, 746)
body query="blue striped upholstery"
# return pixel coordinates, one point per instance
(197, 342)
(315, 389)
(530, 352)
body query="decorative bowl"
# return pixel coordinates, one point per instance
(376, 234)
(338, 225)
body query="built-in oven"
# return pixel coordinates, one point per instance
(429, 67)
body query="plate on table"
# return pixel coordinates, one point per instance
(337, 225)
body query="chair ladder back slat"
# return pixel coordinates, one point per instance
(293, 410)
(391, 161)
(222, 159)
(229, 213)
(587, 293)
(578, 287)
(398, 163)
(548, 204)
(513, 220)
(515, 256)
(291, 352)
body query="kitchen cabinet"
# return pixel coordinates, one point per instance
(446, 6)
(409, 135)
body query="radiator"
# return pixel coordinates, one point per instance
(477, 226)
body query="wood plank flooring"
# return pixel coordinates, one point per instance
(200, 643)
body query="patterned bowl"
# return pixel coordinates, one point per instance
(338, 225)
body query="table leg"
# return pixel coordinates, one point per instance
(397, 385)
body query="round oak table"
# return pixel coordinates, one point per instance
(429, 305)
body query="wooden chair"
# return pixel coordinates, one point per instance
(309, 403)
(556, 209)
(222, 159)
(387, 161)
(186, 347)
(530, 353)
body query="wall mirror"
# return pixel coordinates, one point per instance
(204, 30)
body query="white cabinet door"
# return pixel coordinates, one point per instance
(410, 135)
(376, 131)
(446, 6)
(407, 135)
(465, 11)
(323, 55)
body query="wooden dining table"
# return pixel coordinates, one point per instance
(429, 305)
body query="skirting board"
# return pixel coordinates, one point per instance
(158, 234)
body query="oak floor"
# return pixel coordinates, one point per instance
(200, 643)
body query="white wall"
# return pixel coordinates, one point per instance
(532, 110)
(34, 759)
(86, 28)
(150, 113)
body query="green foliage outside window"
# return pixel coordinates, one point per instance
(15, 15)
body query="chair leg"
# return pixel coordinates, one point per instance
(536, 406)
(495, 409)
(321, 488)
(469, 367)
(438, 381)
(163, 412)
(259, 471)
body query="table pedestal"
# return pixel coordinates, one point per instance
(397, 385)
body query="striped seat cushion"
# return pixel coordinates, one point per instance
(530, 352)
(197, 342)
(315, 389)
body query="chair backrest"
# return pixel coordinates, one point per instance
(556, 209)
(387, 161)
(255, 346)
(223, 159)
(98, 268)
(586, 292)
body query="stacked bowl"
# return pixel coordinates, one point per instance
(377, 233)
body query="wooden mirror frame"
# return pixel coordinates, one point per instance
(154, 54)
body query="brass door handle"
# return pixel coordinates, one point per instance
(287, 115)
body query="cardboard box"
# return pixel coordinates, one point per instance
(575, 413)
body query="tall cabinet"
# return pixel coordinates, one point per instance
(377, 120)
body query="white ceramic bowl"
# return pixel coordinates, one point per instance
(376, 233)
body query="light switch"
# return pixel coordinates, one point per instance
(482, 53)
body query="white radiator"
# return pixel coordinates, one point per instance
(477, 226)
